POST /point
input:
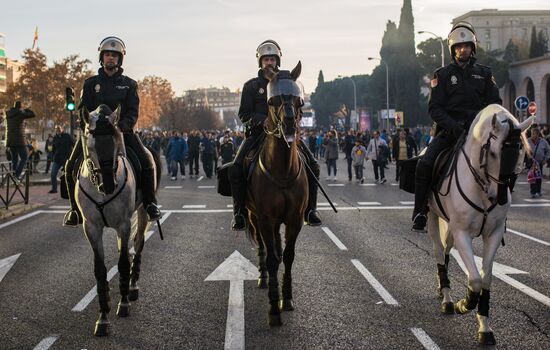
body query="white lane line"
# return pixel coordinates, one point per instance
(82, 304)
(200, 178)
(46, 342)
(406, 203)
(528, 237)
(326, 204)
(335, 239)
(522, 183)
(172, 187)
(194, 206)
(394, 184)
(335, 185)
(230, 205)
(533, 200)
(369, 185)
(369, 203)
(206, 186)
(21, 218)
(530, 205)
(374, 283)
(59, 207)
(424, 339)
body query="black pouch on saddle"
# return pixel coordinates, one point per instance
(63, 187)
(224, 187)
(407, 174)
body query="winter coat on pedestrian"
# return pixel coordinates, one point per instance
(62, 146)
(358, 155)
(15, 133)
(331, 145)
(373, 150)
(177, 149)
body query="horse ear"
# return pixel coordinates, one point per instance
(526, 124)
(296, 71)
(269, 73)
(116, 115)
(85, 115)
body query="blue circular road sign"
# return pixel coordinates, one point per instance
(521, 103)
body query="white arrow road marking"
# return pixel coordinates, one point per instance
(374, 283)
(46, 342)
(82, 304)
(335, 239)
(501, 272)
(6, 264)
(235, 269)
(528, 237)
(424, 339)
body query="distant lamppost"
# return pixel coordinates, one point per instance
(354, 93)
(387, 90)
(440, 41)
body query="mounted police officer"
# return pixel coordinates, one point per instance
(253, 112)
(111, 88)
(458, 92)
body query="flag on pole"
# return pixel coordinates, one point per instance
(35, 41)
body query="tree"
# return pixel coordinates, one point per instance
(429, 55)
(539, 44)
(511, 52)
(320, 78)
(154, 92)
(498, 67)
(542, 43)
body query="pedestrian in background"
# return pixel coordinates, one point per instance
(48, 148)
(331, 153)
(540, 156)
(349, 144)
(374, 154)
(358, 154)
(176, 152)
(15, 137)
(227, 150)
(62, 145)
(194, 152)
(402, 150)
(34, 155)
(208, 151)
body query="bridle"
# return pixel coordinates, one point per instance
(277, 116)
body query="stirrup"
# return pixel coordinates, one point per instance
(72, 218)
(238, 223)
(313, 218)
(153, 212)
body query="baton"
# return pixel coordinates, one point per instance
(160, 231)
(320, 187)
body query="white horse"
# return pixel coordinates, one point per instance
(106, 196)
(474, 200)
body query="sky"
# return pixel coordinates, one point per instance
(202, 43)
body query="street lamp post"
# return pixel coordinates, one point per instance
(440, 41)
(387, 91)
(354, 93)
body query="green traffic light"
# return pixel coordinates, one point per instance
(70, 106)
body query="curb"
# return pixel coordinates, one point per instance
(17, 210)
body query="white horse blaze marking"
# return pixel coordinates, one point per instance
(82, 304)
(501, 272)
(46, 342)
(374, 283)
(528, 237)
(369, 203)
(424, 339)
(335, 239)
(235, 269)
(194, 206)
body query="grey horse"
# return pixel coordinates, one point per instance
(106, 195)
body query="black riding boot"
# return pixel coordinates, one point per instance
(149, 200)
(421, 190)
(73, 217)
(312, 217)
(238, 190)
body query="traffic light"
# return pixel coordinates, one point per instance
(69, 99)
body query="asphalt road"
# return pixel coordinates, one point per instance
(336, 306)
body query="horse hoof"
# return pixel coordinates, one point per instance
(447, 308)
(123, 310)
(275, 320)
(486, 338)
(101, 328)
(134, 294)
(262, 283)
(460, 309)
(286, 305)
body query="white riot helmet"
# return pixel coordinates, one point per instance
(269, 48)
(462, 32)
(112, 43)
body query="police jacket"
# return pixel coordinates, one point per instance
(458, 94)
(112, 91)
(15, 135)
(253, 109)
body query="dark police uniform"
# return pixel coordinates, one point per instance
(114, 91)
(253, 111)
(457, 95)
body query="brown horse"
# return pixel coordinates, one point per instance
(278, 189)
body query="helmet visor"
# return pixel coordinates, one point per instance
(285, 87)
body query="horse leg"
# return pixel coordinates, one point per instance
(463, 243)
(123, 231)
(438, 233)
(139, 242)
(291, 235)
(262, 266)
(490, 246)
(272, 262)
(94, 235)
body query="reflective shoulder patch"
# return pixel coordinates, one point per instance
(434, 82)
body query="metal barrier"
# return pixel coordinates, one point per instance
(10, 185)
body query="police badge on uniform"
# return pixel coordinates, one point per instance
(454, 80)
(97, 87)
(261, 90)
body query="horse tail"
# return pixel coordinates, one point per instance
(158, 165)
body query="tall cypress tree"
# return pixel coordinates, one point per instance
(533, 47)
(320, 78)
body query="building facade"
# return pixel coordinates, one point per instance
(3, 65)
(495, 28)
(214, 98)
